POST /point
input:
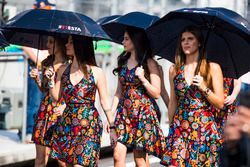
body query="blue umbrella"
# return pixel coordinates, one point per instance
(227, 36)
(115, 28)
(27, 27)
(106, 19)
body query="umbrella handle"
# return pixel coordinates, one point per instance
(202, 54)
(144, 55)
(39, 41)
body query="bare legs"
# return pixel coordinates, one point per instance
(42, 156)
(120, 152)
(140, 158)
(42, 153)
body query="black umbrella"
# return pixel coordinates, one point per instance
(106, 19)
(115, 28)
(29, 27)
(227, 36)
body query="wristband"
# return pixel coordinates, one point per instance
(207, 92)
(112, 127)
(51, 84)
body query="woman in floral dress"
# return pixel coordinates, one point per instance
(136, 124)
(231, 91)
(46, 116)
(193, 138)
(76, 139)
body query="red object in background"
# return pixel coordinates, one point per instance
(44, 4)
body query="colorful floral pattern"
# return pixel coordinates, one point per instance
(45, 122)
(193, 138)
(78, 134)
(222, 115)
(136, 121)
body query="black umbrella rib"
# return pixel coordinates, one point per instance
(203, 49)
(52, 18)
(77, 16)
(235, 32)
(230, 51)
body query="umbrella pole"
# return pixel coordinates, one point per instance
(39, 41)
(144, 55)
(203, 50)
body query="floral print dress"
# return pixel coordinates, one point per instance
(223, 114)
(136, 122)
(78, 134)
(45, 122)
(193, 138)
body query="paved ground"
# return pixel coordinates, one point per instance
(16, 154)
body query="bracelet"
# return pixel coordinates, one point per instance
(112, 127)
(51, 84)
(207, 92)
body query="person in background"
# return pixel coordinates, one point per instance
(34, 95)
(44, 4)
(46, 117)
(136, 124)
(236, 150)
(231, 91)
(164, 93)
(193, 138)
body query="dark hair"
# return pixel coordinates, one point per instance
(60, 42)
(142, 48)
(180, 57)
(84, 51)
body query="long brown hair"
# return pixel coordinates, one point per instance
(180, 57)
(142, 49)
(84, 51)
(60, 43)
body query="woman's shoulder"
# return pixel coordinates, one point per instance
(172, 68)
(152, 62)
(172, 71)
(214, 66)
(96, 71)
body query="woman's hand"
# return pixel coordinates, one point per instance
(58, 110)
(106, 127)
(199, 82)
(139, 72)
(113, 137)
(229, 100)
(50, 73)
(34, 73)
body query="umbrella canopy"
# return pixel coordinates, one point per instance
(27, 27)
(227, 36)
(106, 19)
(115, 28)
